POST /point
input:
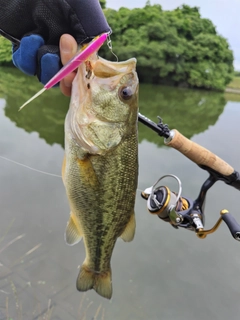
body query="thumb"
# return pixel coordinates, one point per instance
(68, 48)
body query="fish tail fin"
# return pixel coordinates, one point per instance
(100, 282)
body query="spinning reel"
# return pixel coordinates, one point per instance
(178, 210)
(182, 212)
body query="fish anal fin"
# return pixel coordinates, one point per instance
(73, 233)
(100, 282)
(129, 231)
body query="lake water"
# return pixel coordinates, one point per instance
(164, 273)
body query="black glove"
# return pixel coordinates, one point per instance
(39, 24)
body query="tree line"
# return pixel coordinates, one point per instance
(176, 47)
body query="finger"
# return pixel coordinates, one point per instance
(48, 62)
(68, 47)
(66, 84)
(25, 56)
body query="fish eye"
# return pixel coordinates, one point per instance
(125, 93)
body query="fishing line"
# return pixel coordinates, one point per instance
(30, 168)
(36, 170)
(109, 44)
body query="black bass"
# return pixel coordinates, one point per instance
(100, 167)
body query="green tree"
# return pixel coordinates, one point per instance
(5, 51)
(172, 47)
(103, 3)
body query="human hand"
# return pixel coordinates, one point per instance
(39, 25)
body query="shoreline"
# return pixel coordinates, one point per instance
(232, 90)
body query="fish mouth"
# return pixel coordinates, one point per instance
(97, 67)
(106, 69)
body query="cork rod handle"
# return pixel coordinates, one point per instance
(199, 154)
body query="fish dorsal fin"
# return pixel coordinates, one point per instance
(129, 231)
(73, 233)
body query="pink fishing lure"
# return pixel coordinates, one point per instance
(79, 58)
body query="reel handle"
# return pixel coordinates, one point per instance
(232, 224)
(197, 153)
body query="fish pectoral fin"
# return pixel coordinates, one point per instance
(100, 282)
(73, 233)
(63, 168)
(129, 231)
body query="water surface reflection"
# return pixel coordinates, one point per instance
(164, 273)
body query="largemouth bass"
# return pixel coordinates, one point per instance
(100, 167)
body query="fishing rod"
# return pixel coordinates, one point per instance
(181, 211)
(9, 37)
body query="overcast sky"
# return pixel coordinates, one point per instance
(225, 14)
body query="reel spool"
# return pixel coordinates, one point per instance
(165, 203)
